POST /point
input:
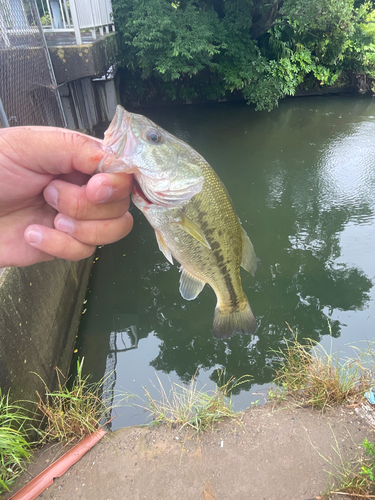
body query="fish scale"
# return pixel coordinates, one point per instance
(223, 260)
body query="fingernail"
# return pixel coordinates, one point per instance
(65, 225)
(33, 236)
(103, 194)
(51, 196)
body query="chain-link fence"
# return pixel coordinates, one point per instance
(28, 90)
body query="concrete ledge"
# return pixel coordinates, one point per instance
(71, 62)
(39, 317)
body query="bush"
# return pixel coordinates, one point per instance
(263, 50)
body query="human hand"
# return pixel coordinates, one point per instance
(50, 206)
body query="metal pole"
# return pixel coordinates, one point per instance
(3, 116)
(57, 22)
(76, 25)
(93, 31)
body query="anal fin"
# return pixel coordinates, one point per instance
(190, 287)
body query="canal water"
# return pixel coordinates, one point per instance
(302, 180)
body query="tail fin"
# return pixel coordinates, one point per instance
(227, 322)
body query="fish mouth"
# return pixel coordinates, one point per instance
(119, 145)
(138, 192)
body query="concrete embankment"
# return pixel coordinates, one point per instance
(39, 317)
(269, 454)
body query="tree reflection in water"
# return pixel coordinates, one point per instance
(298, 177)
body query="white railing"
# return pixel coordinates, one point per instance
(76, 15)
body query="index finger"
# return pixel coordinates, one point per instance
(51, 150)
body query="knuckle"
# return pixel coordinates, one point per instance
(74, 208)
(76, 140)
(96, 235)
(81, 207)
(78, 207)
(65, 246)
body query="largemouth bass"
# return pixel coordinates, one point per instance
(191, 213)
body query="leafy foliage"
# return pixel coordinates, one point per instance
(14, 447)
(357, 480)
(262, 49)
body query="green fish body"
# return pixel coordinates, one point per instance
(191, 212)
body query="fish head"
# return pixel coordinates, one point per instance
(166, 169)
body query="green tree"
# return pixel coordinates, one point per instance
(264, 49)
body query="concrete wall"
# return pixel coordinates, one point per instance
(39, 317)
(73, 62)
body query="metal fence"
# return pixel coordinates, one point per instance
(59, 16)
(28, 89)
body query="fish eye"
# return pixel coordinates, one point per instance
(153, 135)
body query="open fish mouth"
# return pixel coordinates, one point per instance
(120, 144)
(148, 198)
(138, 193)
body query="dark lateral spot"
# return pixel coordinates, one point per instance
(219, 259)
(207, 230)
(232, 293)
(222, 265)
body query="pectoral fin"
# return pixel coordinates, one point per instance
(190, 287)
(249, 259)
(191, 228)
(163, 247)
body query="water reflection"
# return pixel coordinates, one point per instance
(302, 179)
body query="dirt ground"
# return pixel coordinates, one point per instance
(271, 454)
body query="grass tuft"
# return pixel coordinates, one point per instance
(359, 481)
(190, 407)
(72, 413)
(354, 479)
(312, 377)
(14, 447)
